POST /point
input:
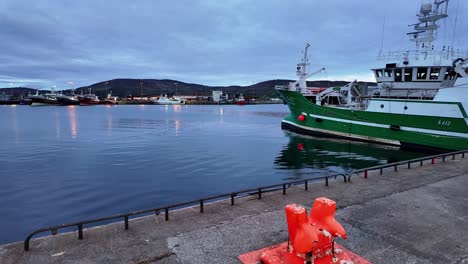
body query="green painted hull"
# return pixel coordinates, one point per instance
(387, 128)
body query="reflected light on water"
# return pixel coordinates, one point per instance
(72, 116)
(57, 125)
(177, 127)
(15, 124)
(221, 111)
(109, 125)
(176, 108)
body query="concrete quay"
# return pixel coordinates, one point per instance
(418, 215)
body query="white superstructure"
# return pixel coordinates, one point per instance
(419, 73)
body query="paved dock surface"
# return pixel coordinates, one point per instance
(410, 216)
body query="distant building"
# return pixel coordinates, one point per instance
(217, 96)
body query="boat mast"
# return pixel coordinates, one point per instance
(302, 70)
(302, 74)
(428, 16)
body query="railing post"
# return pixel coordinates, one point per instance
(126, 222)
(326, 181)
(166, 214)
(259, 193)
(232, 198)
(80, 231)
(284, 189)
(443, 158)
(26, 243)
(409, 165)
(306, 185)
(201, 206)
(433, 161)
(453, 157)
(421, 163)
(396, 167)
(463, 155)
(365, 174)
(381, 171)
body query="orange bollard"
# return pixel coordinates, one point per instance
(302, 235)
(322, 216)
(311, 239)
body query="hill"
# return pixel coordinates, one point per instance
(154, 87)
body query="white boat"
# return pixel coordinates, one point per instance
(164, 100)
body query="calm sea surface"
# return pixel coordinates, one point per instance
(61, 164)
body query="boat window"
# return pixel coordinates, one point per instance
(421, 74)
(398, 75)
(408, 74)
(450, 74)
(388, 73)
(447, 73)
(435, 71)
(378, 73)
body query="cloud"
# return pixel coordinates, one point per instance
(46, 43)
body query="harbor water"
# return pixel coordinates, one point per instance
(62, 164)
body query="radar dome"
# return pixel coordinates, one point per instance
(426, 9)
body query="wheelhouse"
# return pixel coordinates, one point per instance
(445, 75)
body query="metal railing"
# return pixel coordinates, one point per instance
(232, 195)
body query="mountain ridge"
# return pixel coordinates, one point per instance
(123, 87)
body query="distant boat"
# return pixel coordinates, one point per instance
(164, 100)
(25, 101)
(6, 99)
(88, 99)
(241, 100)
(67, 99)
(43, 99)
(110, 100)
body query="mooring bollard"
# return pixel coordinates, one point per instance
(311, 238)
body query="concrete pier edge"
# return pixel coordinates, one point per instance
(416, 215)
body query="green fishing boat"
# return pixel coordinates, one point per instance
(420, 101)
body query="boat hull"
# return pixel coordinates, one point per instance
(401, 129)
(66, 101)
(41, 102)
(87, 101)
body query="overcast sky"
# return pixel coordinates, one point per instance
(230, 42)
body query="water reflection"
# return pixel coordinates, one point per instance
(176, 108)
(305, 152)
(177, 127)
(14, 122)
(72, 118)
(57, 124)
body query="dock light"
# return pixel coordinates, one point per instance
(301, 118)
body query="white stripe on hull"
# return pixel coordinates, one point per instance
(413, 129)
(40, 104)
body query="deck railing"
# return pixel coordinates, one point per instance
(258, 191)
